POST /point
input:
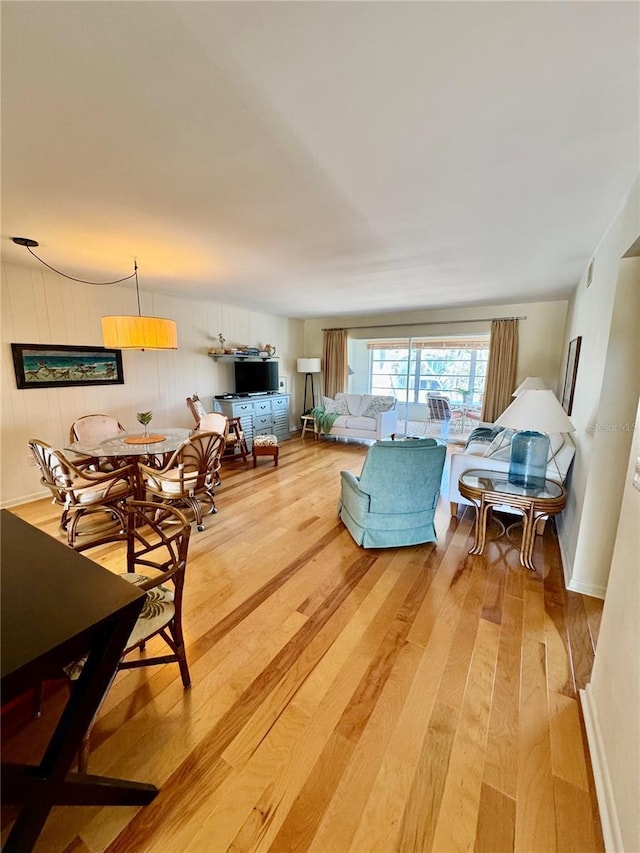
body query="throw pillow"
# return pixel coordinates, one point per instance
(500, 447)
(335, 407)
(378, 404)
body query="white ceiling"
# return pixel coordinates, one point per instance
(317, 158)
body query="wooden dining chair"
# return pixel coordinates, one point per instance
(197, 409)
(81, 491)
(157, 542)
(92, 429)
(189, 476)
(235, 443)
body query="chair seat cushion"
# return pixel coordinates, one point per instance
(157, 610)
(362, 422)
(265, 440)
(169, 482)
(88, 492)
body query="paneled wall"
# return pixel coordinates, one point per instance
(41, 307)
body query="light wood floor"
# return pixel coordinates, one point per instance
(343, 700)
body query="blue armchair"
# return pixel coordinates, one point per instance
(393, 501)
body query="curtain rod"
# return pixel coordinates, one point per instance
(426, 323)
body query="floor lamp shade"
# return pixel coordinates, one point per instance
(535, 414)
(308, 366)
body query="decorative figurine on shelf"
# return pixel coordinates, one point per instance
(270, 351)
(221, 339)
(145, 419)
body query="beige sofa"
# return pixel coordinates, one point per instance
(362, 416)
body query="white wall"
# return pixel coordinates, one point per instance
(607, 317)
(41, 307)
(541, 335)
(612, 698)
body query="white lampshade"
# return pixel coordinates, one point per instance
(309, 365)
(536, 410)
(531, 383)
(131, 332)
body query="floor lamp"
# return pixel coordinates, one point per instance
(308, 366)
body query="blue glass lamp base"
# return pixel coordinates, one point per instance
(529, 452)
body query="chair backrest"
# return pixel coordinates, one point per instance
(196, 408)
(403, 476)
(74, 488)
(199, 455)
(439, 408)
(56, 472)
(157, 538)
(214, 422)
(90, 429)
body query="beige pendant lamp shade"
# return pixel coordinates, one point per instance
(122, 331)
(130, 332)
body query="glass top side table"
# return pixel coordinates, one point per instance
(488, 489)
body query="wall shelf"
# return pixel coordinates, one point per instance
(237, 357)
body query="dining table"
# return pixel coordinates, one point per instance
(58, 605)
(129, 448)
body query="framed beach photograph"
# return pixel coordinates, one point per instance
(570, 375)
(58, 366)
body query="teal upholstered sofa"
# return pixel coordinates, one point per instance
(393, 501)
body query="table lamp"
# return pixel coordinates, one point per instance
(531, 383)
(534, 413)
(308, 366)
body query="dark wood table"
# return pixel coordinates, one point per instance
(491, 489)
(58, 605)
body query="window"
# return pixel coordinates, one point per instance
(415, 367)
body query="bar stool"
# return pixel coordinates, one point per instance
(309, 422)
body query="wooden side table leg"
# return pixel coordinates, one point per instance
(480, 527)
(528, 539)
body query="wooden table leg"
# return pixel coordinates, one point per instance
(40, 788)
(529, 538)
(480, 527)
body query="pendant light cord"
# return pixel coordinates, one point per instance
(134, 274)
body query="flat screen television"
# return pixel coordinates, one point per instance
(256, 377)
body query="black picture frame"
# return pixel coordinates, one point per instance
(62, 366)
(573, 356)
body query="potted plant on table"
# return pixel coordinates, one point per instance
(145, 419)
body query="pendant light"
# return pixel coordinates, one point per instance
(131, 332)
(123, 331)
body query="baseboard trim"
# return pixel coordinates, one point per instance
(594, 590)
(604, 790)
(25, 499)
